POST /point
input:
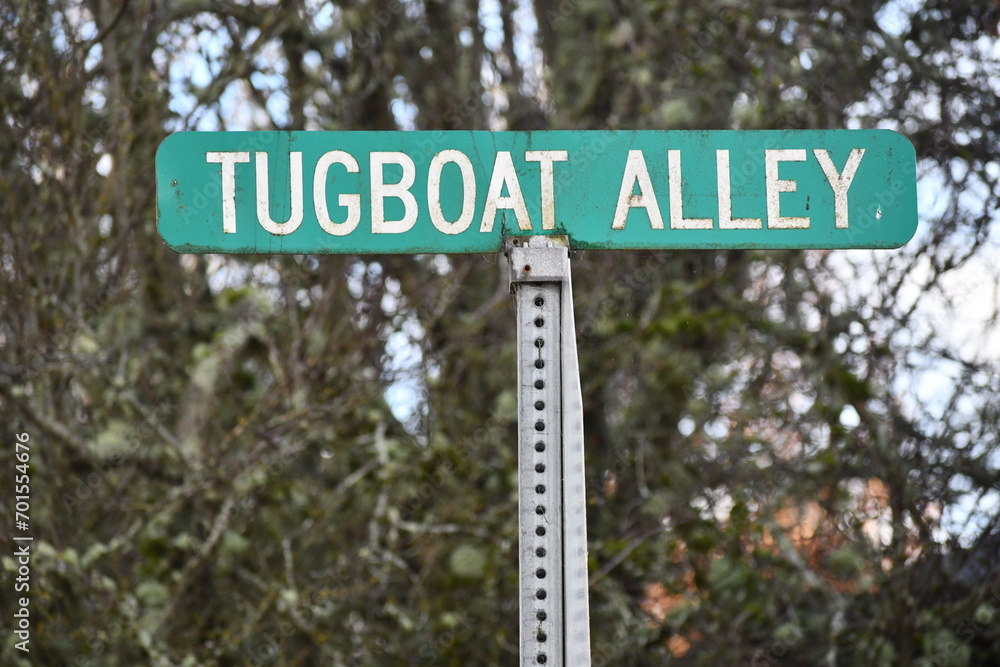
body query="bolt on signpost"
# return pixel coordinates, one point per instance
(537, 195)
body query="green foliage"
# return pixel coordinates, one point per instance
(790, 456)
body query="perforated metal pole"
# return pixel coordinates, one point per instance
(554, 605)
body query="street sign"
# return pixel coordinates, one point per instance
(537, 194)
(455, 192)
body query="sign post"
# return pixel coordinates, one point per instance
(535, 195)
(552, 522)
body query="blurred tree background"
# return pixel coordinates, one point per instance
(792, 457)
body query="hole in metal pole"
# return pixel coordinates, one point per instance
(539, 405)
(539, 343)
(540, 488)
(539, 322)
(539, 384)
(540, 552)
(539, 301)
(539, 426)
(542, 659)
(542, 636)
(541, 594)
(540, 573)
(527, 268)
(540, 467)
(539, 363)
(541, 615)
(540, 531)
(540, 509)
(539, 446)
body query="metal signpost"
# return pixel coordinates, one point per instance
(536, 195)
(552, 522)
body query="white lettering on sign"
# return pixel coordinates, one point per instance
(228, 160)
(773, 186)
(352, 202)
(545, 160)
(468, 191)
(381, 190)
(263, 195)
(841, 182)
(677, 219)
(636, 172)
(504, 176)
(636, 191)
(726, 219)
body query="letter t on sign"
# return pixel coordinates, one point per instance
(228, 160)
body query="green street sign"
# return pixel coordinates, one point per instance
(452, 192)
